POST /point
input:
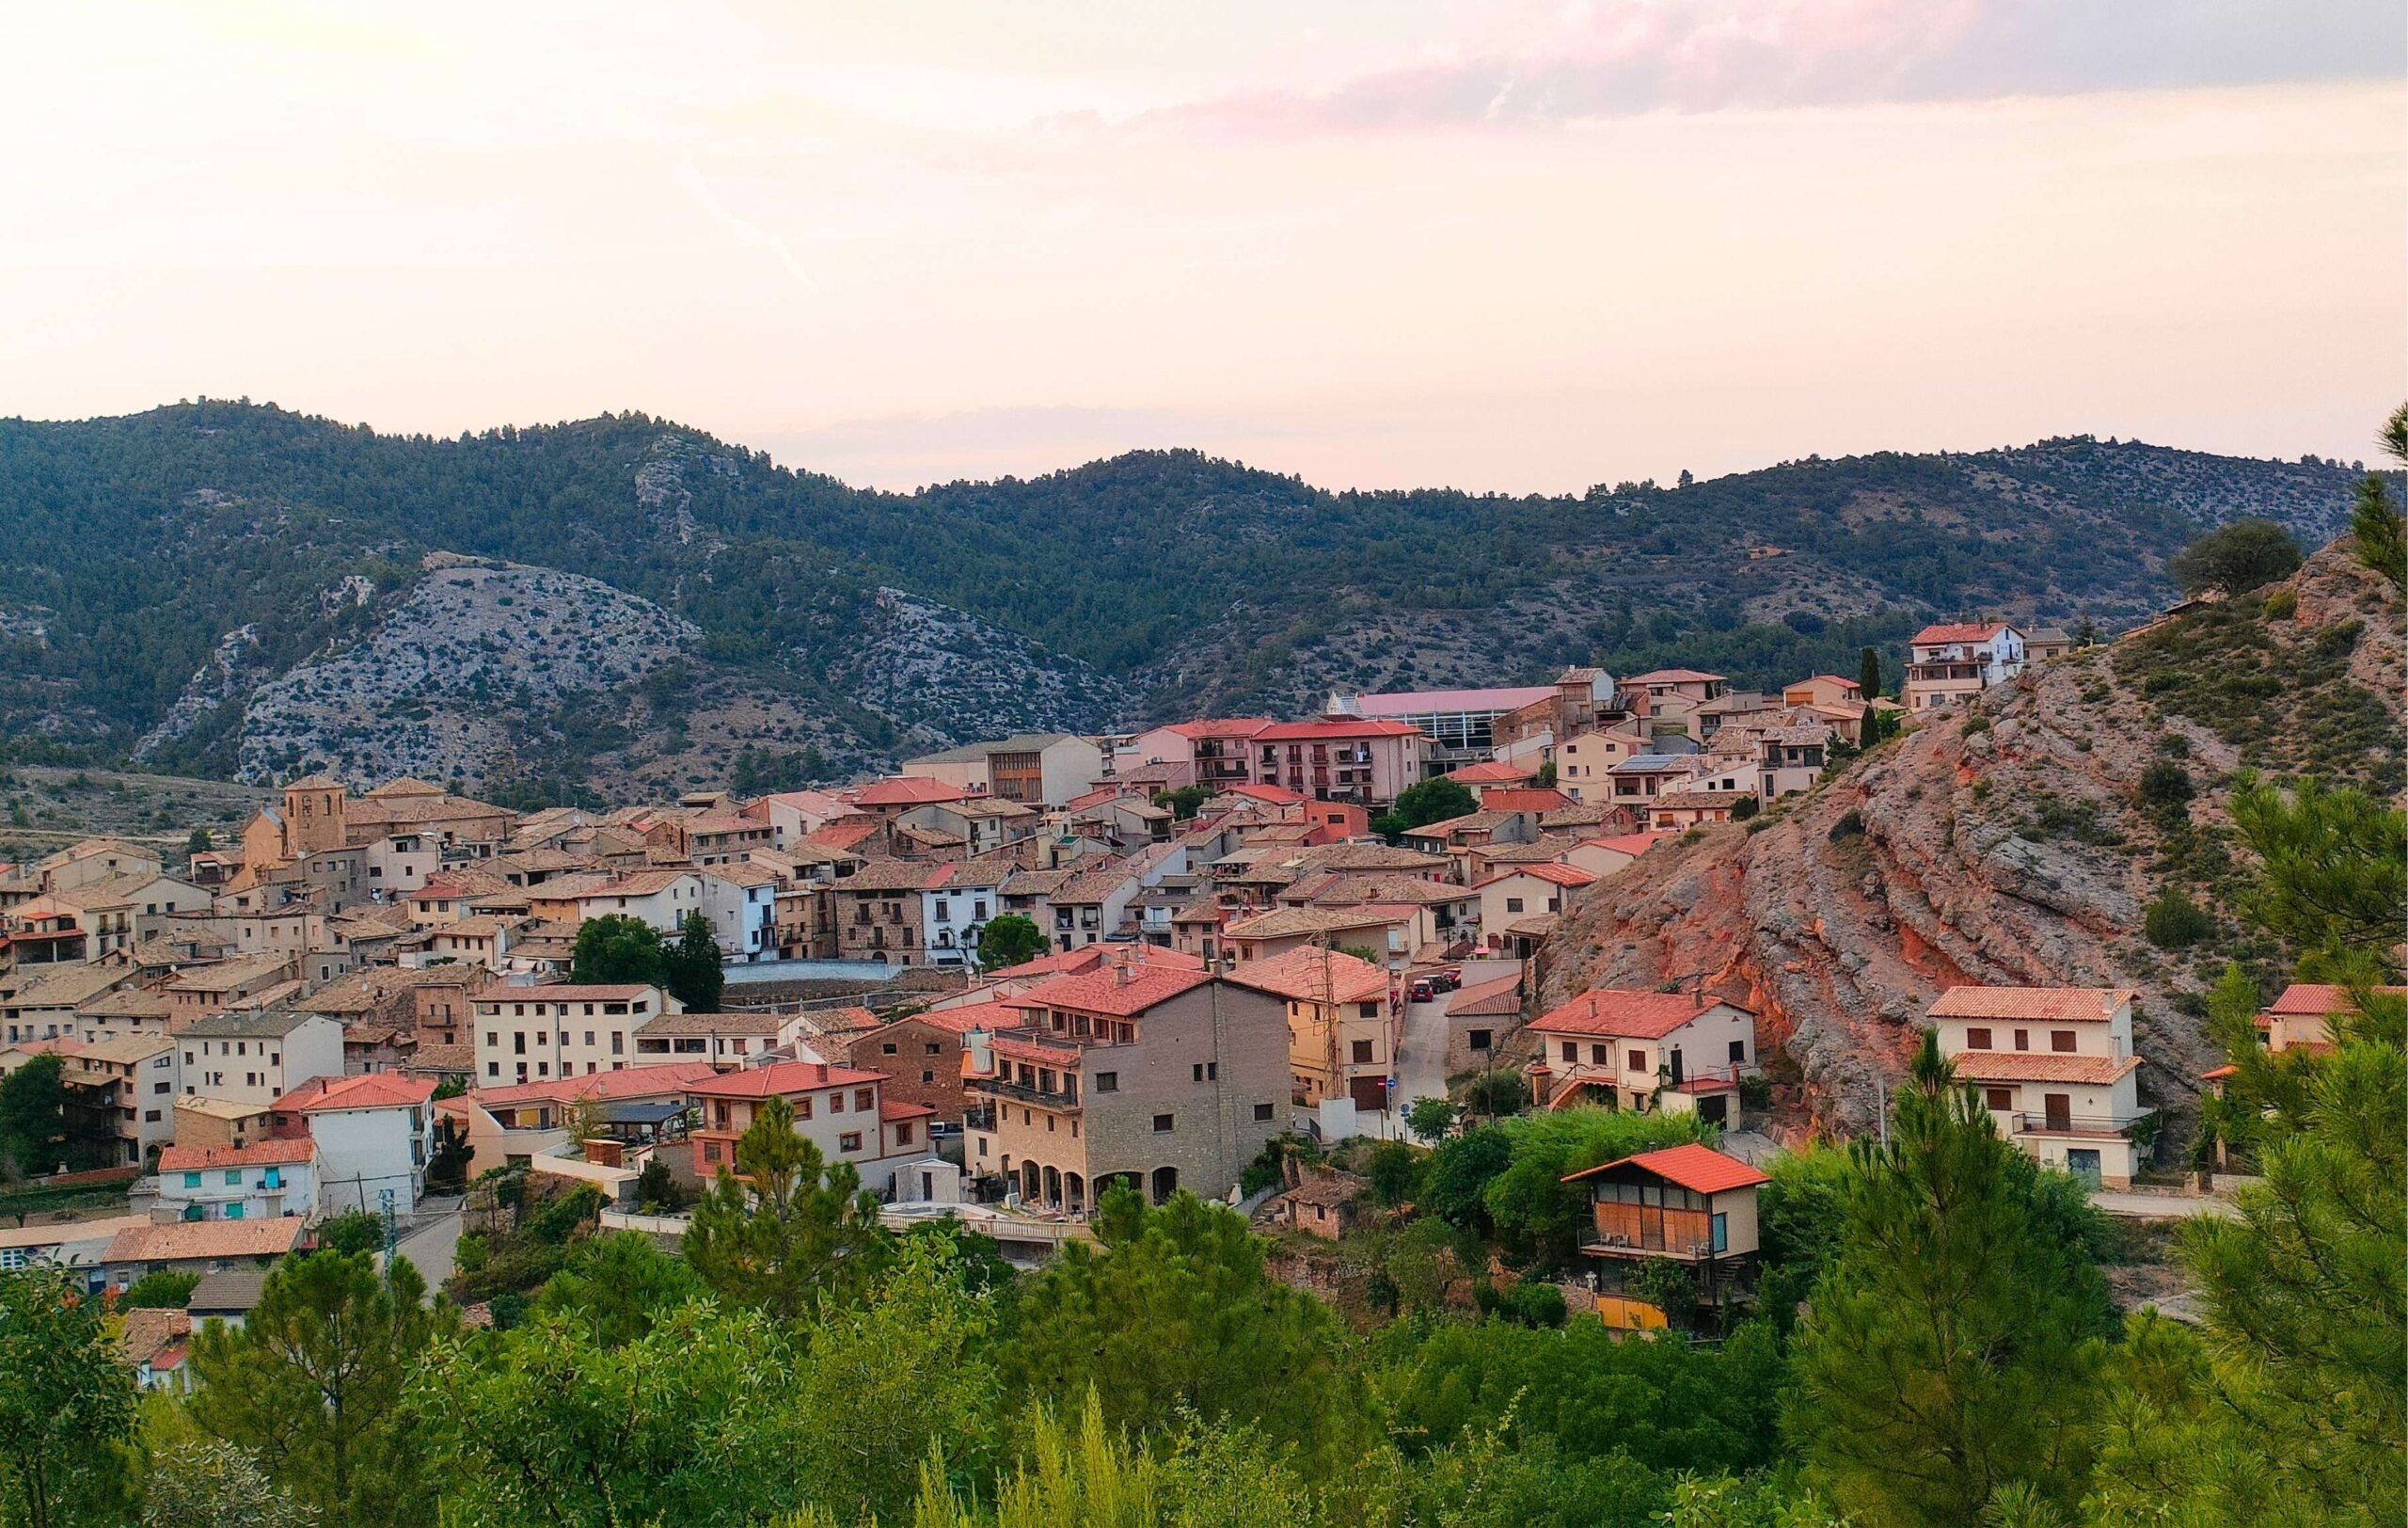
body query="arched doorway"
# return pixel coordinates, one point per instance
(1054, 1187)
(1074, 1193)
(1028, 1183)
(1165, 1183)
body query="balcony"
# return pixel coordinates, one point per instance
(1020, 1094)
(2053, 1123)
(1930, 672)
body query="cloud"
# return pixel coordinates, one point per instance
(1525, 62)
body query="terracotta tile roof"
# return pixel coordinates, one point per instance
(1532, 800)
(882, 876)
(1495, 772)
(1328, 729)
(1283, 922)
(155, 1339)
(2304, 999)
(994, 1015)
(1071, 962)
(631, 1082)
(376, 1090)
(1104, 990)
(2021, 1066)
(781, 1077)
(1700, 1169)
(1631, 843)
(840, 837)
(1232, 727)
(186, 1239)
(1494, 697)
(1675, 676)
(1578, 815)
(888, 1110)
(908, 790)
(1276, 795)
(1498, 998)
(1314, 975)
(1957, 631)
(1561, 875)
(713, 1024)
(262, 1154)
(2066, 1005)
(1469, 822)
(560, 992)
(1697, 800)
(638, 883)
(1627, 1015)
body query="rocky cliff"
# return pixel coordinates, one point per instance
(2013, 843)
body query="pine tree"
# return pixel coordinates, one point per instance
(1950, 1349)
(1868, 673)
(792, 1231)
(2376, 523)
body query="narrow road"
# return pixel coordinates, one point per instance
(1422, 1051)
(432, 1244)
(2134, 1206)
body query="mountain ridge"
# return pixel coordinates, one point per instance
(134, 548)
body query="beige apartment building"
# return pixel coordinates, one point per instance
(542, 1033)
(1164, 1079)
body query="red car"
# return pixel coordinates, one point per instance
(1422, 991)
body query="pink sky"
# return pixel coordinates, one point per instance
(1511, 246)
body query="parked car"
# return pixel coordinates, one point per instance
(1448, 977)
(1422, 991)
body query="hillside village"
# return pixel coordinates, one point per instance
(1255, 961)
(1225, 931)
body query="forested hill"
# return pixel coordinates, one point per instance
(221, 586)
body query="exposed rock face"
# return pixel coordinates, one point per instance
(944, 675)
(436, 688)
(2007, 844)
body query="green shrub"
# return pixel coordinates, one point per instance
(2282, 605)
(2166, 783)
(1744, 808)
(162, 1290)
(2176, 922)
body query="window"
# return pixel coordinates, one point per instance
(2001, 1099)
(935, 1049)
(192, 1180)
(1107, 1082)
(849, 1142)
(2061, 1040)
(1977, 1039)
(1163, 1124)
(1638, 1061)
(588, 1036)
(887, 1049)
(1479, 1040)
(903, 1135)
(863, 1099)
(1362, 1051)
(1571, 1051)
(1261, 1113)
(1512, 904)
(233, 1177)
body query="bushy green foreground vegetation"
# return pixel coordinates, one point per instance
(1934, 1344)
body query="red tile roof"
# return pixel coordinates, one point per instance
(781, 1077)
(263, 1154)
(1535, 800)
(1627, 1015)
(629, 1082)
(271, 1238)
(1495, 772)
(1499, 997)
(2305, 999)
(1232, 727)
(908, 790)
(1310, 975)
(991, 1016)
(888, 1110)
(2063, 1005)
(1700, 1169)
(376, 1090)
(1630, 843)
(560, 992)
(1087, 957)
(2021, 1066)
(1957, 631)
(1112, 990)
(1675, 676)
(1327, 727)
(1276, 795)
(1561, 875)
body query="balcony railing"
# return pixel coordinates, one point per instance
(2045, 1123)
(998, 1088)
